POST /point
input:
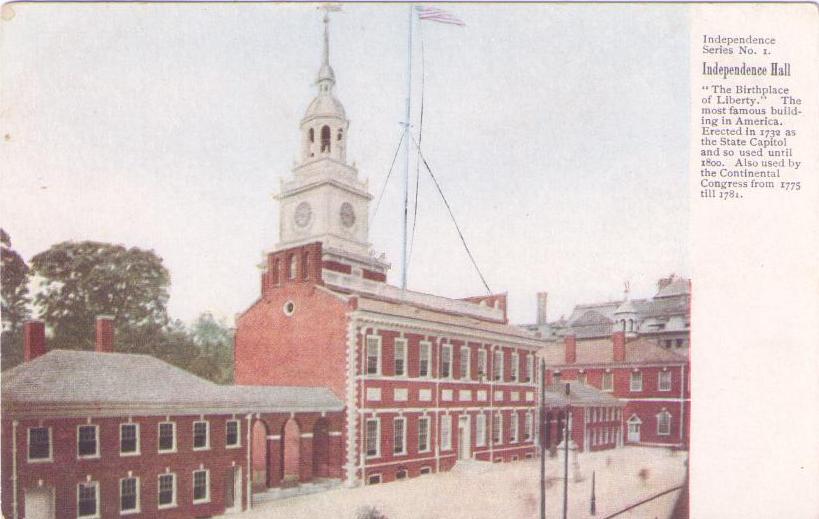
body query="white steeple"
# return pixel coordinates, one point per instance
(325, 200)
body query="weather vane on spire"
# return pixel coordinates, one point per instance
(326, 77)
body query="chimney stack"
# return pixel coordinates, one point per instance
(105, 334)
(34, 344)
(570, 346)
(541, 308)
(618, 342)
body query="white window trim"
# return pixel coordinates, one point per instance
(377, 438)
(370, 478)
(96, 454)
(50, 457)
(483, 364)
(173, 503)
(610, 387)
(159, 435)
(207, 435)
(528, 426)
(468, 374)
(660, 376)
(96, 485)
(631, 380)
(446, 348)
(138, 450)
(403, 343)
(514, 368)
(514, 426)
(480, 439)
(138, 508)
(403, 450)
(530, 368)
(666, 413)
(205, 499)
(378, 370)
(428, 434)
(425, 345)
(238, 443)
(497, 418)
(497, 366)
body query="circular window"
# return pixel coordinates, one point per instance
(289, 308)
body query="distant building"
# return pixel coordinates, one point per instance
(103, 434)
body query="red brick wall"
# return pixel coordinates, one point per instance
(110, 466)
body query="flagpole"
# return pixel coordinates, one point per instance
(407, 150)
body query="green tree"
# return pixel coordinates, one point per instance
(215, 342)
(82, 280)
(15, 301)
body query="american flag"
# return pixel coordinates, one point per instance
(433, 14)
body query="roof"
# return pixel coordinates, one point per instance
(642, 350)
(675, 287)
(415, 312)
(580, 395)
(66, 381)
(325, 105)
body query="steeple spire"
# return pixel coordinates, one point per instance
(326, 76)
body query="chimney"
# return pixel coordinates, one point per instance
(541, 308)
(105, 334)
(34, 344)
(570, 345)
(618, 342)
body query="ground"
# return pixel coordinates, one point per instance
(510, 490)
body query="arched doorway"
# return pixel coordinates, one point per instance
(321, 449)
(260, 457)
(291, 453)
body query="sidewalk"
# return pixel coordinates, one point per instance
(508, 490)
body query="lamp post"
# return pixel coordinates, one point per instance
(593, 510)
(566, 455)
(542, 438)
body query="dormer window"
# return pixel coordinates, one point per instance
(325, 139)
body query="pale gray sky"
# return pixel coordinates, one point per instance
(558, 132)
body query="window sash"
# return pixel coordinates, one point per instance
(527, 427)
(515, 365)
(423, 359)
(372, 437)
(400, 359)
(446, 432)
(497, 365)
(464, 362)
(423, 434)
(232, 433)
(513, 428)
(608, 381)
(200, 435)
(482, 364)
(664, 381)
(200, 485)
(664, 424)
(480, 430)
(373, 355)
(497, 428)
(128, 438)
(636, 381)
(167, 436)
(39, 443)
(87, 500)
(128, 495)
(167, 489)
(446, 361)
(87, 440)
(399, 436)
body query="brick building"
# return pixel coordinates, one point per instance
(651, 381)
(426, 380)
(103, 434)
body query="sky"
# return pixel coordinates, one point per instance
(558, 132)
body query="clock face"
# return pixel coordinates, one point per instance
(347, 214)
(303, 214)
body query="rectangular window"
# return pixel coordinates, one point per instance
(167, 437)
(400, 357)
(582, 378)
(423, 359)
(664, 381)
(497, 366)
(556, 379)
(636, 381)
(446, 433)
(527, 426)
(232, 434)
(373, 438)
(87, 441)
(514, 367)
(399, 436)
(497, 428)
(129, 495)
(446, 361)
(608, 381)
(167, 490)
(39, 444)
(464, 362)
(201, 486)
(530, 368)
(664, 423)
(129, 438)
(480, 430)
(200, 435)
(373, 355)
(482, 363)
(87, 498)
(513, 428)
(423, 434)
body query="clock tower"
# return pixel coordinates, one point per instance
(325, 201)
